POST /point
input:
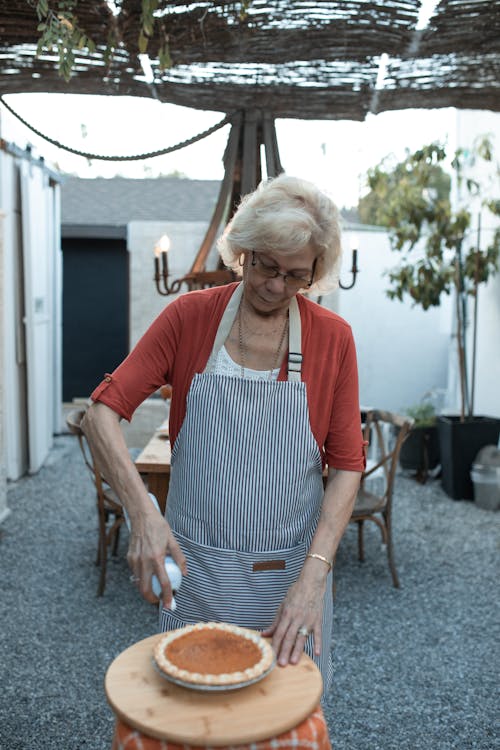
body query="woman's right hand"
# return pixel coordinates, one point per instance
(151, 540)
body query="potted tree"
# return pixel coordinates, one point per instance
(442, 254)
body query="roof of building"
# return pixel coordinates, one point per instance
(114, 202)
(102, 207)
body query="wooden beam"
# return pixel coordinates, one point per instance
(222, 205)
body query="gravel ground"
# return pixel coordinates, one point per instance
(414, 668)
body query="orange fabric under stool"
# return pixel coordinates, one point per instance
(311, 734)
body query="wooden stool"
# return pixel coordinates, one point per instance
(154, 714)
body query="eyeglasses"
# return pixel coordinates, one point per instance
(292, 280)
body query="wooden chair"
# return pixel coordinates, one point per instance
(385, 433)
(109, 509)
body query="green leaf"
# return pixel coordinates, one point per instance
(484, 147)
(142, 43)
(494, 206)
(164, 58)
(43, 7)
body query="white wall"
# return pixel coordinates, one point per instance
(402, 350)
(470, 124)
(487, 392)
(145, 302)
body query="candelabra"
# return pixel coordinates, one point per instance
(197, 280)
(204, 279)
(354, 270)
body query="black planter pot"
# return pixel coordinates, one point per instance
(459, 443)
(420, 451)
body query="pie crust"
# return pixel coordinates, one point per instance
(213, 653)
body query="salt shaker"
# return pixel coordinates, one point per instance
(171, 568)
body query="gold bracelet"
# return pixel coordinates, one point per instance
(320, 557)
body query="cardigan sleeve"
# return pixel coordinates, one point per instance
(344, 448)
(173, 349)
(146, 368)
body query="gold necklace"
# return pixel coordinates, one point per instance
(243, 349)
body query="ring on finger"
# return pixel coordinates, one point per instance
(134, 578)
(303, 631)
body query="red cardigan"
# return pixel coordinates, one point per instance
(178, 344)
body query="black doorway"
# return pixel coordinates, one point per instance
(95, 311)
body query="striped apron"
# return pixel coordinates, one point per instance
(245, 494)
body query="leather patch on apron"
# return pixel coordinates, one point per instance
(269, 565)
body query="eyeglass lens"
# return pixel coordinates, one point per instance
(273, 272)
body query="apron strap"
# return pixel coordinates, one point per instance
(225, 324)
(294, 342)
(295, 336)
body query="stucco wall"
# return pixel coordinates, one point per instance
(470, 124)
(145, 302)
(486, 395)
(487, 398)
(402, 350)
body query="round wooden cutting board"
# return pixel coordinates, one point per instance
(141, 697)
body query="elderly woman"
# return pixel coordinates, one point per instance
(265, 394)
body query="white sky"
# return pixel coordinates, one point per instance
(333, 153)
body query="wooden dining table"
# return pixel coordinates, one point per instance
(153, 464)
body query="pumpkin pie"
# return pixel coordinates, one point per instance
(213, 654)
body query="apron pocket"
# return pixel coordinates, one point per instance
(242, 588)
(169, 621)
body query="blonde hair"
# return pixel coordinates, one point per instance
(284, 215)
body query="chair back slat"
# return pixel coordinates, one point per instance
(385, 433)
(376, 422)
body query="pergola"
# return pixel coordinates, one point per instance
(293, 58)
(263, 59)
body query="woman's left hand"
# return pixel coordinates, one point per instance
(301, 611)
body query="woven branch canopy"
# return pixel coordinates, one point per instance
(294, 59)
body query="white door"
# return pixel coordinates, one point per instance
(38, 275)
(15, 427)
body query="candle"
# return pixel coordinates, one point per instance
(157, 261)
(354, 248)
(164, 264)
(164, 246)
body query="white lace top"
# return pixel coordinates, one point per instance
(225, 365)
